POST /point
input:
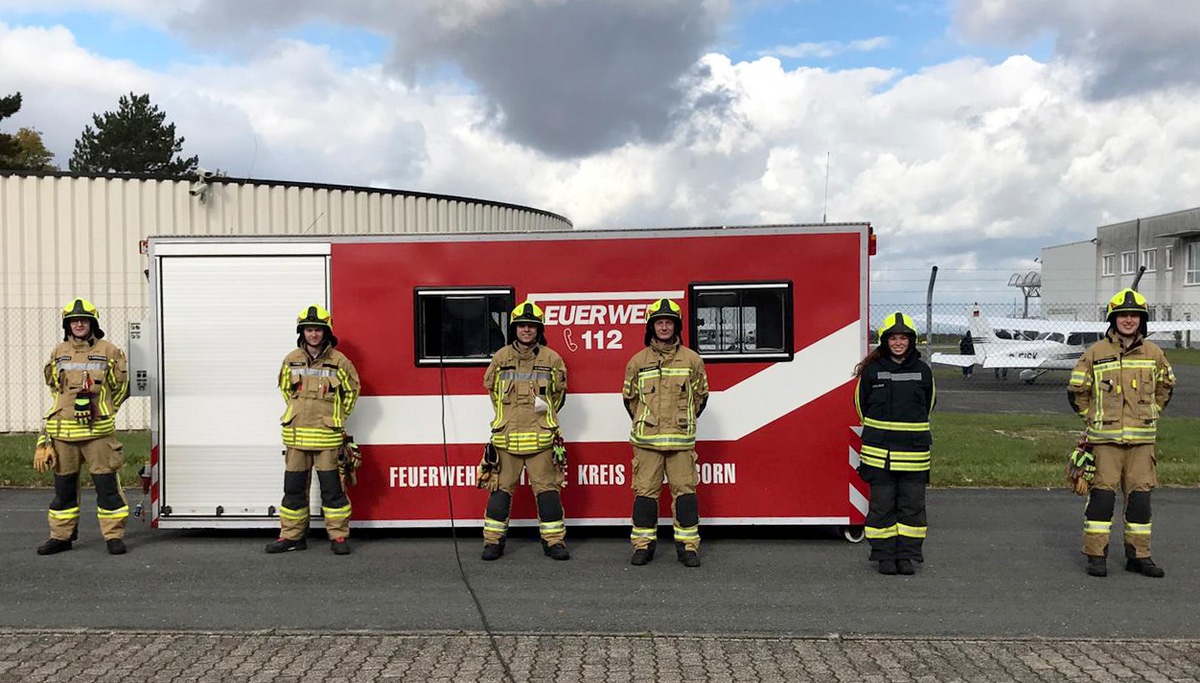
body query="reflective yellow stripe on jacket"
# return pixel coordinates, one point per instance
(679, 441)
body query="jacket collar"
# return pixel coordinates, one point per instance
(1117, 342)
(665, 348)
(525, 353)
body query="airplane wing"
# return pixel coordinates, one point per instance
(957, 360)
(1067, 326)
(1012, 362)
(1171, 326)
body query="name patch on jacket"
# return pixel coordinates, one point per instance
(1101, 361)
(98, 358)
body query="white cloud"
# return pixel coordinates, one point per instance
(1121, 47)
(965, 163)
(828, 49)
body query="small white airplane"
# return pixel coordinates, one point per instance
(1057, 344)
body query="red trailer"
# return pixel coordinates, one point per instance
(779, 313)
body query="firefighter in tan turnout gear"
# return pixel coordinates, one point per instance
(320, 386)
(88, 380)
(527, 382)
(665, 390)
(1120, 386)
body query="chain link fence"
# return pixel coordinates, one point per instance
(29, 336)
(1005, 335)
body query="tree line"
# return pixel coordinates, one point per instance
(136, 138)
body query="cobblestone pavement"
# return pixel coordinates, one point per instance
(34, 656)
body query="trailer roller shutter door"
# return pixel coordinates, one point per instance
(227, 322)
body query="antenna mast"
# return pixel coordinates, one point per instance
(825, 202)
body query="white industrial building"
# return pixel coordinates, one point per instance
(67, 235)
(1068, 282)
(1079, 278)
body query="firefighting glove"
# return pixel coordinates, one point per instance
(44, 457)
(539, 405)
(558, 453)
(487, 474)
(83, 408)
(1081, 468)
(349, 460)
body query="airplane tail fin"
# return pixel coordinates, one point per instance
(982, 334)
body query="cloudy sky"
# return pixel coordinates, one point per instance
(970, 133)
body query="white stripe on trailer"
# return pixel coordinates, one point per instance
(858, 500)
(751, 404)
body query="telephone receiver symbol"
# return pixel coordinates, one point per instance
(570, 342)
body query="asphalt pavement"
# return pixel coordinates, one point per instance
(1000, 563)
(1002, 597)
(985, 393)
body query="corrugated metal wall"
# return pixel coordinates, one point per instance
(63, 236)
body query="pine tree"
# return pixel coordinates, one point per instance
(9, 147)
(133, 139)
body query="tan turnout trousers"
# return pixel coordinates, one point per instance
(1120, 468)
(543, 476)
(104, 456)
(680, 469)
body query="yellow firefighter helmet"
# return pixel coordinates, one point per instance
(897, 323)
(1126, 301)
(81, 309)
(663, 308)
(315, 316)
(527, 313)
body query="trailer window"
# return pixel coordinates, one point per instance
(741, 321)
(461, 326)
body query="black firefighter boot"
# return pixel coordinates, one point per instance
(558, 551)
(643, 556)
(284, 545)
(1097, 565)
(52, 546)
(689, 558)
(492, 551)
(115, 546)
(1144, 566)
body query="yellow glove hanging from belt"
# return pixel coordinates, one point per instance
(558, 453)
(83, 408)
(44, 457)
(1081, 467)
(349, 460)
(487, 475)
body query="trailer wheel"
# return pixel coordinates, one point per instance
(853, 533)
